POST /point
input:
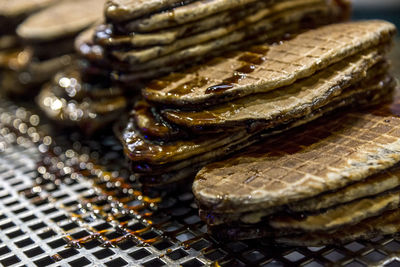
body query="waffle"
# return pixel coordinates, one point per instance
(285, 12)
(120, 10)
(138, 149)
(279, 66)
(106, 36)
(151, 124)
(192, 47)
(375, 185)
(268, 109)
(61, 20)
(339, 216)
(279, 171)
(385, 224)
(151, 168)
(183, 14)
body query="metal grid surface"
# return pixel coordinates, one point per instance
(62, 204)
(65, 202)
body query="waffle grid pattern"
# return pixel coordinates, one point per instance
(317, 53)
(321, 149)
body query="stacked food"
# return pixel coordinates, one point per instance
(212, 110)
(140, 40)
(47, 39)
(145, 39)
(331, 181)
(12, 56)
(73, 96)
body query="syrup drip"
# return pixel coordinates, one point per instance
(56, 168)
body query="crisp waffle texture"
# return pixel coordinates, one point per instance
(264, 18)
(291, 101)
(385, 224)
(346, 214)
(167, 36)
(130, 9)
(278, 66)
(184, 14)
(374, 185)
(299, 165)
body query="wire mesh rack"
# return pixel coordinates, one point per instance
(67, 201)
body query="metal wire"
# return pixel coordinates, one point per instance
(66, 202)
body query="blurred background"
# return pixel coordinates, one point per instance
(382, 9)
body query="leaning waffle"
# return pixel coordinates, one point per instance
(374, 185)
(285, 12)
(303, 163)
(140, 149)
(265, 110)
(385, 224)
(113, 35)
(183, 14)
(274, 68)
(141, 162)
(339, 216)
(274, 27)
(128, 9)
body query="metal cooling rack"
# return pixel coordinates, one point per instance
(65, 201)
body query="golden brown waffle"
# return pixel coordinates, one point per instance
(385, 224)
(285, 12)
(273, 27)
(301, 164)
(137, 148)
(268, 109)
(107, 37)
(274, 67)
(342, 215)
(361, 95)
(372, 186)
(183, 14)
(142, 150)
(61, 20)
(120, 10)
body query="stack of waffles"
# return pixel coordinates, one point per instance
(309, 171)
(195, 117)
(38, 39)
(139, 40)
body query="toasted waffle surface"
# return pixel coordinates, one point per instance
(127, 9)
(385, 224)
(106, 34)
(346, 214)
(291, 101)
(371, 186)
(298, 165)
(297, 9)
(275, 66)
(184, 13)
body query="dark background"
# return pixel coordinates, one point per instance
(377, 9)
